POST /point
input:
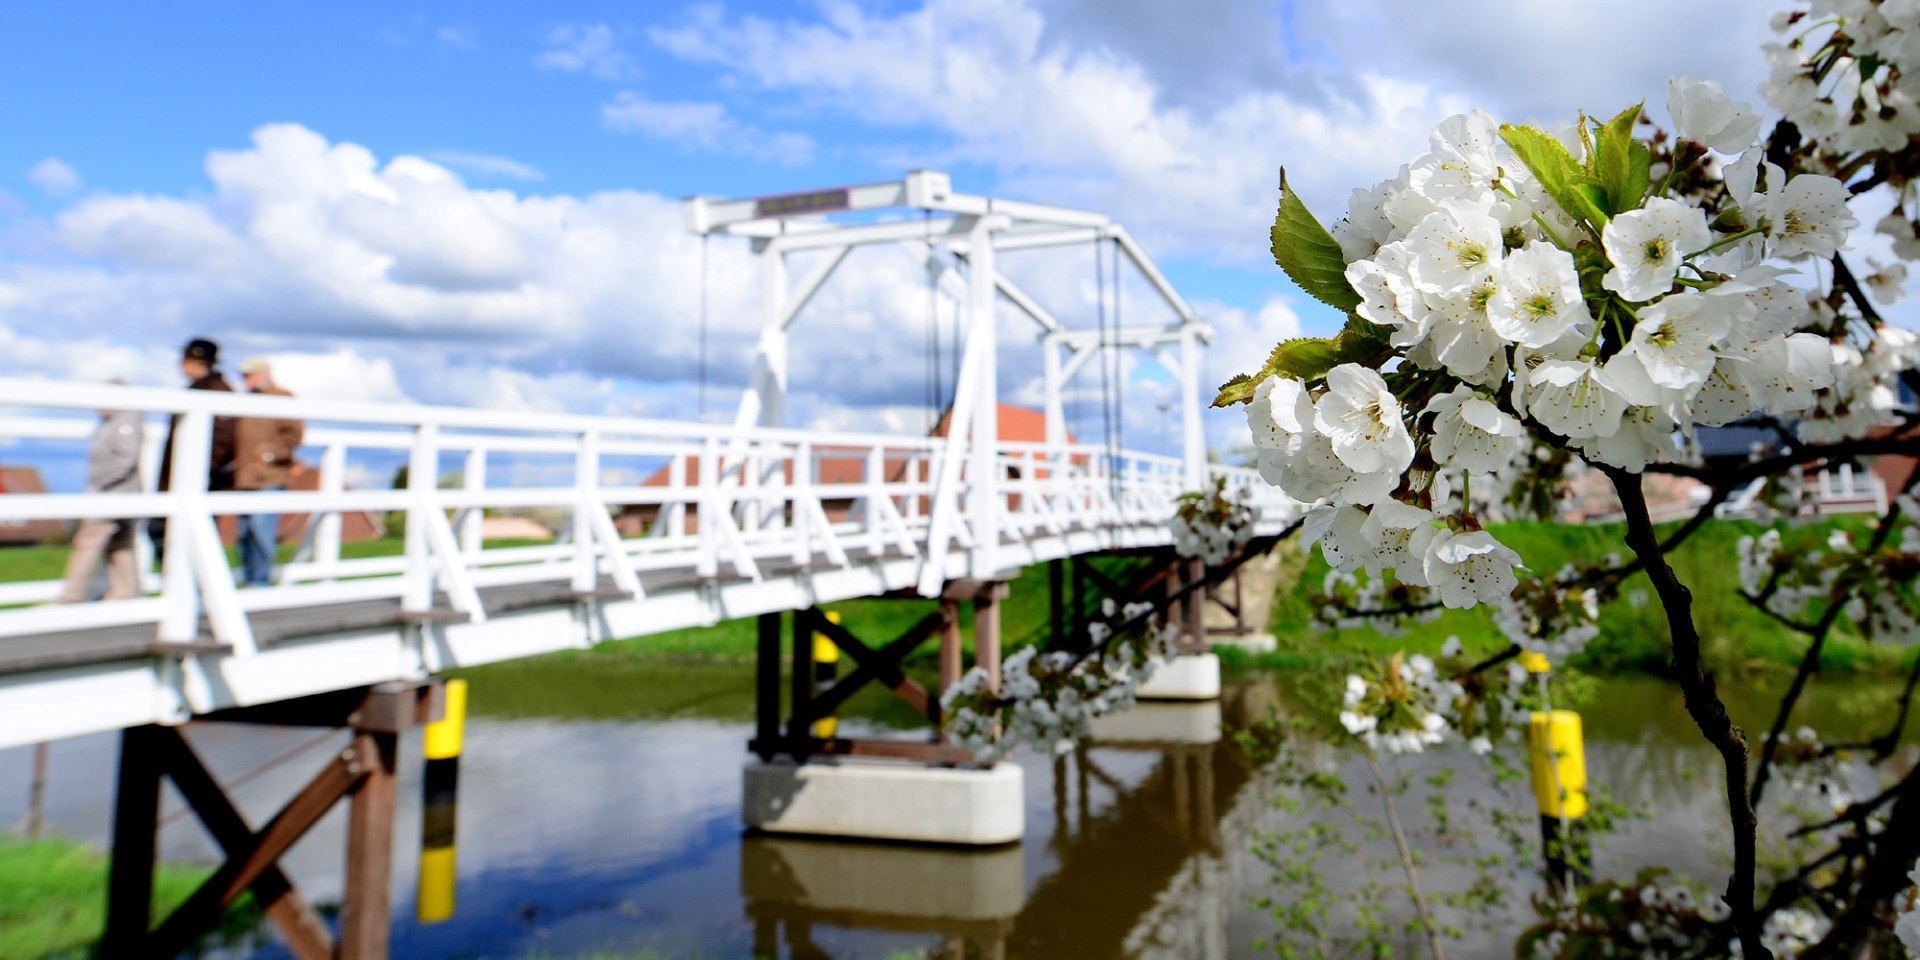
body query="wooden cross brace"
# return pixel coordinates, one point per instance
(363, 773)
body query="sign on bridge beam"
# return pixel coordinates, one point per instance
(801, 204)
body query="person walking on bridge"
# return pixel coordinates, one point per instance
(263, 460)
(113, 466)
(200, 364)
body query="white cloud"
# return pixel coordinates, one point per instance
(342, 374)
(376, 279)
(488, 165)
(590, 48)
(702, 125)
(54, 177)
(1077, 125)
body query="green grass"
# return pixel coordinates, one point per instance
(1633, 629)
(49, 561)
(53, 898)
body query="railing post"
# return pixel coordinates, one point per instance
(586, 496)
(423, 476)
(707, 525)
(187, 488)
(800, 527)
(677, 487)
(151, 443)
(876, 478)
(473, 480)
(329, 523)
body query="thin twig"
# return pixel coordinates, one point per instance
(1810, 661)
(1406, 859)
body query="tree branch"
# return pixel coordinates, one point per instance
(1843, 275)
(1703, 705)
(1809, 662)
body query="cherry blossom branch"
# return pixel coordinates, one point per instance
(1703, 704)
(1406, 859)
(1489, 663)
(1735, 476)
(1843, 275)
(1883, 877)
(1809, 662)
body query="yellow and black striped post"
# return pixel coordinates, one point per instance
(826, 670)
(1558, 757)
(439, 808)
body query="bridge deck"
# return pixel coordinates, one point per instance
(735, 521)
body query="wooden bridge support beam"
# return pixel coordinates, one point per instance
(363, 774)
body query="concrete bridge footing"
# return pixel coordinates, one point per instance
(879, 800)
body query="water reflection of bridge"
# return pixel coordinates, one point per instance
(1137, 827)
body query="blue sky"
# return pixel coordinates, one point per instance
(242, 171)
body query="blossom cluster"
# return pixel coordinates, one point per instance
(1517, 289)
(1411, 703)
(1836, 75)
(1650, 916)
(1398, 708)
(1876, 586)
(1210, 524)
(1808, 766)
(1049, 700)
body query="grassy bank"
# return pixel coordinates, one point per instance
(1633, 628)
(53, 898)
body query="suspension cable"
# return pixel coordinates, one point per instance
(933, 331)
(1119, 358)
(1106, 392)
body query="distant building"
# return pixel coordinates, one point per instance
(838, 466)
(16, 532)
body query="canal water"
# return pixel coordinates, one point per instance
(599, 817)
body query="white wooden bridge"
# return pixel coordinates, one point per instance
(754, 517)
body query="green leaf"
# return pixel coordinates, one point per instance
(1309, 254)
(1309, 358)
(1559, 174)
(1622, 165)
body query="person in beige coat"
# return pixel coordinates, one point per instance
(263, 460)
(113, 466)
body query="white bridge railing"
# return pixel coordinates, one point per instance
(722, 502)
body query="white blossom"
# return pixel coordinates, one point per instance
(1703, 113)
(1568, 397)
(1362, 419)
(1537, 300)
(1453, 250)
(1648, 244)
(1472, 433)
(1809, 217)
(1469, 568)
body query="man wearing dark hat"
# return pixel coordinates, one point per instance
(200, 364)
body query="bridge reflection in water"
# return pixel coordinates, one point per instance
(1134, 866)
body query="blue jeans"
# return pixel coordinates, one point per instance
(259, 542)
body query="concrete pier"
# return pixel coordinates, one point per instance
(884, 800)
(1189, 676)
(1160, 722)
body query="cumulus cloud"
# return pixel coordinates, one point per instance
(595, 49)
(1078, 124)
(54, 177)
(702, 125)
(388, 278)
(342, 374)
